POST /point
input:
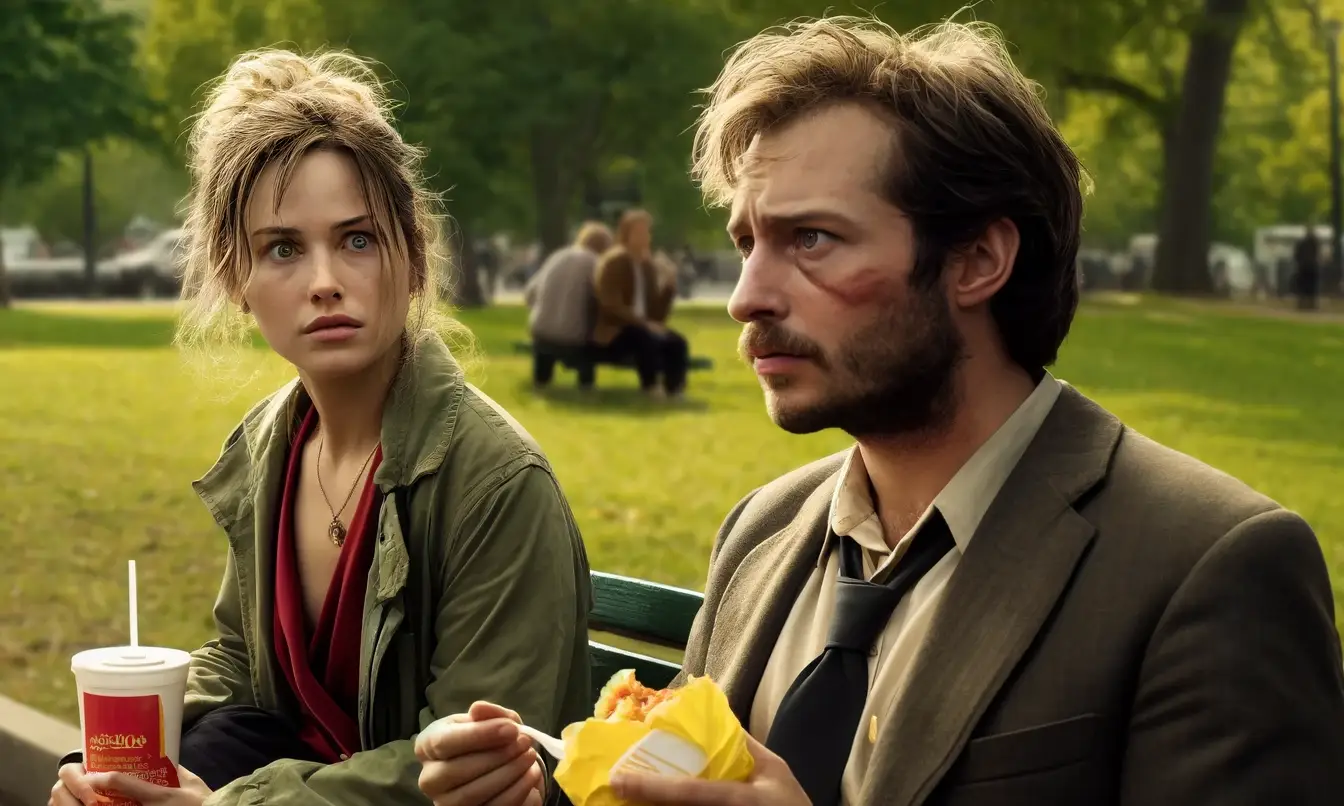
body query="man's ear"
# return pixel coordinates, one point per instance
(983, 267)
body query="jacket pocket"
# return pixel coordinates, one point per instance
(1030, 750)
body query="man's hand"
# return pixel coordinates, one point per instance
(770, 784)
(77, 787)
(477, 758)
(656, 328)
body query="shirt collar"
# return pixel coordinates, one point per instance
(965, 499)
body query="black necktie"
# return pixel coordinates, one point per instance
(815, 725)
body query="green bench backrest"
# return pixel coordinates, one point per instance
(644, 611)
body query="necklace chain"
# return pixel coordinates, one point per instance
(336, 530)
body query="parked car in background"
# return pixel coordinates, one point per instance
(148, 272)
(1230, 267)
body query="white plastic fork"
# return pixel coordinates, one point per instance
(552, 745)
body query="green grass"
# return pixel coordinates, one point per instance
(103, 426)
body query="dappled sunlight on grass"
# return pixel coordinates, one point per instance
(103, 426)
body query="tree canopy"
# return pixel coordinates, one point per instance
(538, 112)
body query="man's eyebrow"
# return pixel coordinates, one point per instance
(795, 218)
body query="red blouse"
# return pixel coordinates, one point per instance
(322, 668)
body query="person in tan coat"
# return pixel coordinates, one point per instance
(634, 301)
(1000, 594)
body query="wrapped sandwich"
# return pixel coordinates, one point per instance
(689, 730)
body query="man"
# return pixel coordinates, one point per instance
(1038, 604)
(633, 306)
(560, 296)
(1307, 256)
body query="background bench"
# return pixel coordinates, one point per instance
(573, 357)
(644, 611)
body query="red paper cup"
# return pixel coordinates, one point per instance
(130, 711)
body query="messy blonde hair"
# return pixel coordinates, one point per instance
(972, 143)
(270, 109)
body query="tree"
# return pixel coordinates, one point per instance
(67, 79)
(131, 180)
(519, 103)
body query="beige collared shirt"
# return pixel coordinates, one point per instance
(963, 503)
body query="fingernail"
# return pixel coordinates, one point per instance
(506, 731)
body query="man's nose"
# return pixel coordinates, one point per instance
(759, 293)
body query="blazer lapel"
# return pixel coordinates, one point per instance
(1005, 587)
(759, 598)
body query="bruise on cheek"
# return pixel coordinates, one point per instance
(858, 287)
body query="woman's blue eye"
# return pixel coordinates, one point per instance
(360, 241)
(283, 250)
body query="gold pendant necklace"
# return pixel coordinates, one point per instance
(336, 530)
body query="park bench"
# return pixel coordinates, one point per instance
(574, 357)
(643, 611)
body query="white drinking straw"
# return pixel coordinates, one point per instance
(135, 626)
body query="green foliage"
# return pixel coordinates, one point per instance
(129, 180)
(524, 105)
(67, 79)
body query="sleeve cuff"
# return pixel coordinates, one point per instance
(73, 757)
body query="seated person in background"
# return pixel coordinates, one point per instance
(560, 296)
(632, 308)
(666, 273)
(397, 545)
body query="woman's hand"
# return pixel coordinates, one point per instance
(78, 788)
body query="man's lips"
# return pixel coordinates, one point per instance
(776, 363)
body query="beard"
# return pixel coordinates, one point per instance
(894, 377)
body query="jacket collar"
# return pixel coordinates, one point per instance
(418, 424)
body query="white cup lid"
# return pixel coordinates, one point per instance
(129, 659)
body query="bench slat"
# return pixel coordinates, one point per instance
(569, 357)
(637, 608)
(607, 661)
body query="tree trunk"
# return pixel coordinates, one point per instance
(562, 157)
(1190, 150)
(465, 287)
(4, 279)
(549, 191)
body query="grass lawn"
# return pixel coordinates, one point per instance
(103, 426)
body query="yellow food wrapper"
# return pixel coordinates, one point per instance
(699, 715)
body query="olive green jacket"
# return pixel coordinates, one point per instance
(478, 589)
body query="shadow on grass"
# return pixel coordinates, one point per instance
(23, 328)
(627, 401)
(28, 328)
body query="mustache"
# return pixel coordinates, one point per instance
(759, 337)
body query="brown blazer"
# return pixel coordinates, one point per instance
(614, 287)
(1128, 626)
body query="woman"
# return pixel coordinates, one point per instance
(399, 547)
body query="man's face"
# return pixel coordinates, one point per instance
(639, 235)
(836, 331)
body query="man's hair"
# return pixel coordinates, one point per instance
(594, 236)
(972, 144)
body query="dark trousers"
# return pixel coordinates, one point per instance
(234, 741)
(654, 354)
(544, 360)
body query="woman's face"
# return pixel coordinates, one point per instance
(317, 287)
